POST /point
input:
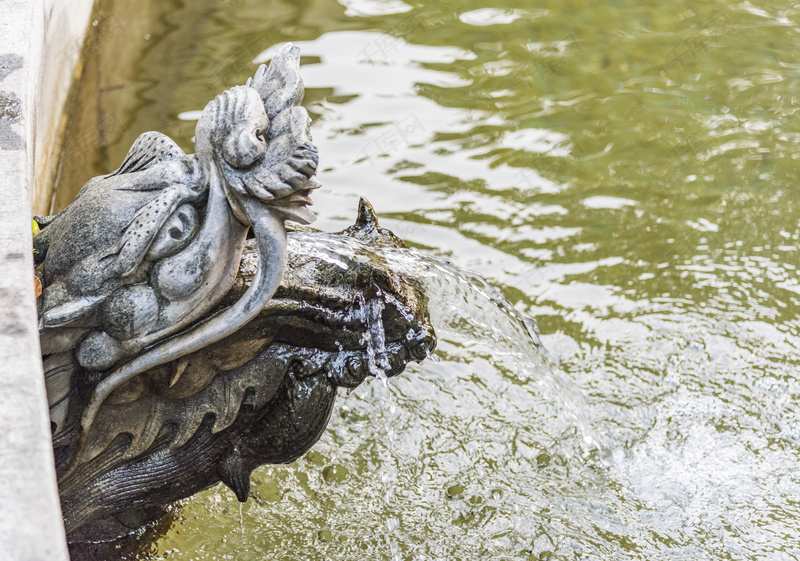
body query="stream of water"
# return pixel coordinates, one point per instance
(624, 172)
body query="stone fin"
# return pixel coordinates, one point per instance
(142, 419)
(280, 86)
(367, 229)
(232, 395)
(367, 220)
(177, 369)
(71, 311)
(60, 339)
(58, 371)
(233, 473)
(58, 416)
(149, 149)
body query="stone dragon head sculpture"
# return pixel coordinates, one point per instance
(186, 337)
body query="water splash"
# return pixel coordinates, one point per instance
(467, 310)
(378, 363)
(465, 306)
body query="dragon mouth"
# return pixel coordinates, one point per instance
(338, 325)
(343, 319)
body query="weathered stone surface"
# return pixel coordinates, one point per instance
(186, 339)
(30, 517)
(261, 395)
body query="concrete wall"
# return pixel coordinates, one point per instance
(65, 23)
(39, 49)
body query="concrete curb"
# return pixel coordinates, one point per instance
(31, 526)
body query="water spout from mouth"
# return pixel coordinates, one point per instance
(466, 310)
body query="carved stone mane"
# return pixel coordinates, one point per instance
(186, 337)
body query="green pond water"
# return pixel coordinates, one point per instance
(625, 172)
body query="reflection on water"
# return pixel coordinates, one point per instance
(624, 172)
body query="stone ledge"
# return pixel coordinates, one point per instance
(31, 527)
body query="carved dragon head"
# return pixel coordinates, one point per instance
(175, 352)
(261, 395)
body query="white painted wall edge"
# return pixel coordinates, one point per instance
(31, 527)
